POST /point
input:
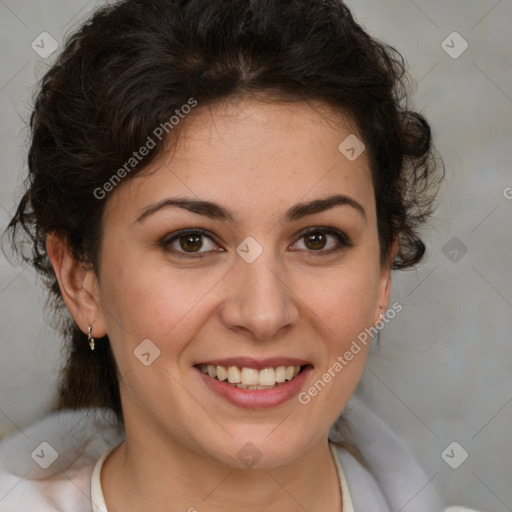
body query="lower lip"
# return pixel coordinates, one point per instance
(258, 398)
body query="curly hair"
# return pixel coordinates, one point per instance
(134, 63)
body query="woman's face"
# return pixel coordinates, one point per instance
(275, 278)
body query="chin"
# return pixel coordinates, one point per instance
(262, 448)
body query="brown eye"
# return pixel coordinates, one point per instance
(315, 241)
(192, 243)
(323, 240)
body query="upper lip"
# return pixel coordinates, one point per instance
(257, 364)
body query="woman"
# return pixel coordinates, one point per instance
(218, 193)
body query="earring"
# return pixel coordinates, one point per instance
(381, 316)
(90, 339)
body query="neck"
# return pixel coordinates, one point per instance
(149, 473)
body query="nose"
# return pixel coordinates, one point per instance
(257, 300)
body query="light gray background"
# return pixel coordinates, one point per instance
(443, 371)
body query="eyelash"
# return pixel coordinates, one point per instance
(343, 240)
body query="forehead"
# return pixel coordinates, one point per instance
(254, 156)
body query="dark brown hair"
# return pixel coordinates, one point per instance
(134, 63)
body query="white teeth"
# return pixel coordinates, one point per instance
(280, 373)
(267, 377)
(233, 374)
(222, 373)
(250, 378)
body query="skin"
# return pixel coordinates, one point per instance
(258, 160)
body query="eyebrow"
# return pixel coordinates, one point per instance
(216, 211)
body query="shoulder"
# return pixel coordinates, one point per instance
(389, 477)
(47, 467)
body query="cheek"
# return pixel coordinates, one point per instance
(344, 302)
(147, 300)
(342, 305)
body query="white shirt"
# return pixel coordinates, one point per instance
(55, 465)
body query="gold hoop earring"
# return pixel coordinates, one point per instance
(90, 339)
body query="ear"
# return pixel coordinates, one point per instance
(78, 285)
(385, 282)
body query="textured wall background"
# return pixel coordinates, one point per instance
(442, 372)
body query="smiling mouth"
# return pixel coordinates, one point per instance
(251, 378)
